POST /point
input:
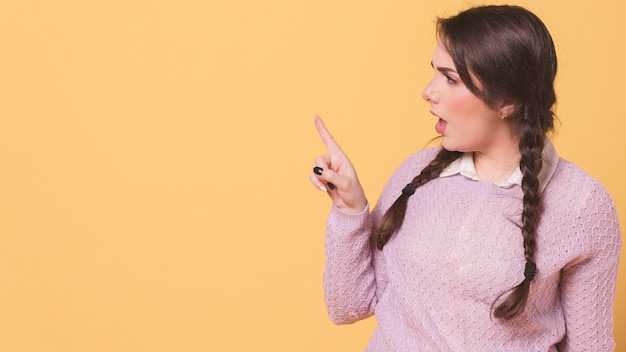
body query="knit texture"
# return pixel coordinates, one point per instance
(433, 285)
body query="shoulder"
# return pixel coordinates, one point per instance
(571, 182)
(415, 162)
(575, 199)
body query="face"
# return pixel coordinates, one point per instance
(465, 122)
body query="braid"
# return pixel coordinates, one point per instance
(531, 146)
(394, 216)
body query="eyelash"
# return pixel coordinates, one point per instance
(450, 79)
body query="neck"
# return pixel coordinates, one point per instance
(497, 165)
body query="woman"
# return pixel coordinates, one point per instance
(490, 242)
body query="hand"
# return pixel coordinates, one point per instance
(347, 193)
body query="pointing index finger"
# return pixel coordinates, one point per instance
(327, 138)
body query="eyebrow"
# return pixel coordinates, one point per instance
(443, 69)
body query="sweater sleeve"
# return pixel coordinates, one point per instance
(349, 276)
(355, 272)
(588, 283)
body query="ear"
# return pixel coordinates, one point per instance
(507, 108)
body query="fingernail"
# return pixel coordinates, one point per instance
(318, 171)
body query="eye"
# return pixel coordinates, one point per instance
(450, 79)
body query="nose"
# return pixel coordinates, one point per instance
(428, 93)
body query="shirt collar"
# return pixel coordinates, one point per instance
(465, 166)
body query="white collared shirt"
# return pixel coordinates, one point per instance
(465, 166)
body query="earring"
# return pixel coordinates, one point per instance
(501, 116)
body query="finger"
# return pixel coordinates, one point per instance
(317, 183)
(319, 172)
(323, 161)
(327, 138)
(331, 178)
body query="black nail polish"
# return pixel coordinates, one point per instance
(318, 171)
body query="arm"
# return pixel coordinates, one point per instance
(349, 274)
(588, 284)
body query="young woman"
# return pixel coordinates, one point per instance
(490, 242)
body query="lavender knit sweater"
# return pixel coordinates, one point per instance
(432, 286)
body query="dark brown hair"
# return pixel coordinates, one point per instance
(511, 53)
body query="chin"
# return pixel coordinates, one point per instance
(449, 145)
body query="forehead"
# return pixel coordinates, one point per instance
(441, 57)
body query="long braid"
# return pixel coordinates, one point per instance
(394, 216)
(531, 146)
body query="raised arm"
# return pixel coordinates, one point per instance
(349, 275)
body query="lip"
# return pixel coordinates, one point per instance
(434, 114)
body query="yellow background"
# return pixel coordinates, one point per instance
(154, 158)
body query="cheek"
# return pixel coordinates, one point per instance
(467, 104)
(472, 116)
(469, 109)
